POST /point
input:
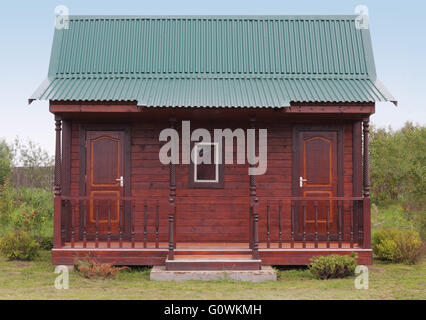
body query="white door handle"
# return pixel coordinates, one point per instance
(121, 181)
(301, 180)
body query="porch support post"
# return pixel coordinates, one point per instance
(57, 203)
(366, 165)
(253, 205)
(172, 197)
(357, 178)
(366, 182)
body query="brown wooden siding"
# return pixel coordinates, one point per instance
(206, 215)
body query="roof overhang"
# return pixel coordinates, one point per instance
(247, 92)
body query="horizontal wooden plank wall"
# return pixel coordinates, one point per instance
(118, 257)
(348, 179)
(208, 215)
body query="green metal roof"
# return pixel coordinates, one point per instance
(212, 61)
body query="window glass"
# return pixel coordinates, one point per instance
(206, 166)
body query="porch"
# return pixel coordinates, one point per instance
(284, 231)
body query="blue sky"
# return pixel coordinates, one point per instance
(26, 30)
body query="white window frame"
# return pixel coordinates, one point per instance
(216, 151)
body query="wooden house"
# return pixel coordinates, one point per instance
(116, 82)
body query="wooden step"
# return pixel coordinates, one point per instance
(212, 262)
(210, 252)
(212, 256)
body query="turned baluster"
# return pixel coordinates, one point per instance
(145, 219)
(157, 224)
(171, 233)
(132, 222)
(280, 231)
(292, 225)
(328, 223)
(316, 223)
(120, 223)
(84, 223)
(73, 213)
(255, 250)
(109, 225)
(97, 223)
(304, 223)
(352, 224)
(339, 220)
(268, 243)
(360, 224)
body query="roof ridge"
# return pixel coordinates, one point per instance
(216, 76)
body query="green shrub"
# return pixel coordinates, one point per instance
(26, 209)
(385, 246)
(5, 162)
(333, 266)
(397, 245)
(21, 208)
(45, 242)
(19, 245)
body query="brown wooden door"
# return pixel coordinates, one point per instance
(317, 176)
(105, 180)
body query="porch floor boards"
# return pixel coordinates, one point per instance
(209, 245)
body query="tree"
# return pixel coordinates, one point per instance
(398, 164)
(5, 162)
(33, 162)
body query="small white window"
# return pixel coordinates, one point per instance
(206, 162)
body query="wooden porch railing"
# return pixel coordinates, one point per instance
(344, 221)
(82, 225)
(285, 222)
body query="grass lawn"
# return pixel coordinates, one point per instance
(35, 280)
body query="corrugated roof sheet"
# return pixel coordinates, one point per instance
(235, 61)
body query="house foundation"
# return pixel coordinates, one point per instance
(266, 273)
